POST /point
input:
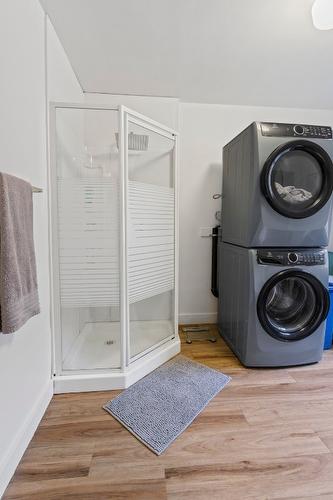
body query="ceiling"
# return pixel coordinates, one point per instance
(252, 52)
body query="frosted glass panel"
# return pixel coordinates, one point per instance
(88, 234)
(151, 238)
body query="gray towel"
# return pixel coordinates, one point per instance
(18, 280)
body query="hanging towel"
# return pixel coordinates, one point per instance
(18, 280)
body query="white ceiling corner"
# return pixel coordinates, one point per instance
(249, 52)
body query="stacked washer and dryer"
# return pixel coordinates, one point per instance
(273, 263)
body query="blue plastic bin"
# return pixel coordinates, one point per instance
(329, 320)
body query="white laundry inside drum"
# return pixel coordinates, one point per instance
(89, 241)
(292, 194)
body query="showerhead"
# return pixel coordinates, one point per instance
(136, 142)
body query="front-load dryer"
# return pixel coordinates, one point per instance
(277, 186)
(273, 304)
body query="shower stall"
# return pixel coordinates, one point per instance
(113, 214)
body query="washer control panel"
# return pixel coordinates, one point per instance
(283, 257)
(295, 130)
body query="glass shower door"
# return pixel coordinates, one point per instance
(150, 171)
(86, 184)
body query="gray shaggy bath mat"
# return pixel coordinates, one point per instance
(159, 407)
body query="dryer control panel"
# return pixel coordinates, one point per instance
(296, 130)
(283, 257)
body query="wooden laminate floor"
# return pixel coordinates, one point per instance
(268, 434)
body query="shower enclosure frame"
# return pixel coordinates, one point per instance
(131, 368)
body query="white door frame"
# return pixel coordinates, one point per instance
(126, 116)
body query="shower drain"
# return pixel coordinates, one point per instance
(109, 342)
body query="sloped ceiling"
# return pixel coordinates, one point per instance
(254, 52)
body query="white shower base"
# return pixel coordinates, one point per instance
(98, 344)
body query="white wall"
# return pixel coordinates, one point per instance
(25, 358)
(62, 84)
(204, 129)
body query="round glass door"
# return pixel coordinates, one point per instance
(292, 305)
(297, 179)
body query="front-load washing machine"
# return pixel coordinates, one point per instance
(273, 304)
(277, 186)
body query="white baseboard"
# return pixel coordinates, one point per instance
(194, 318)
(23, 436)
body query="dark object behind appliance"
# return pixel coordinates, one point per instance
(214, 278)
